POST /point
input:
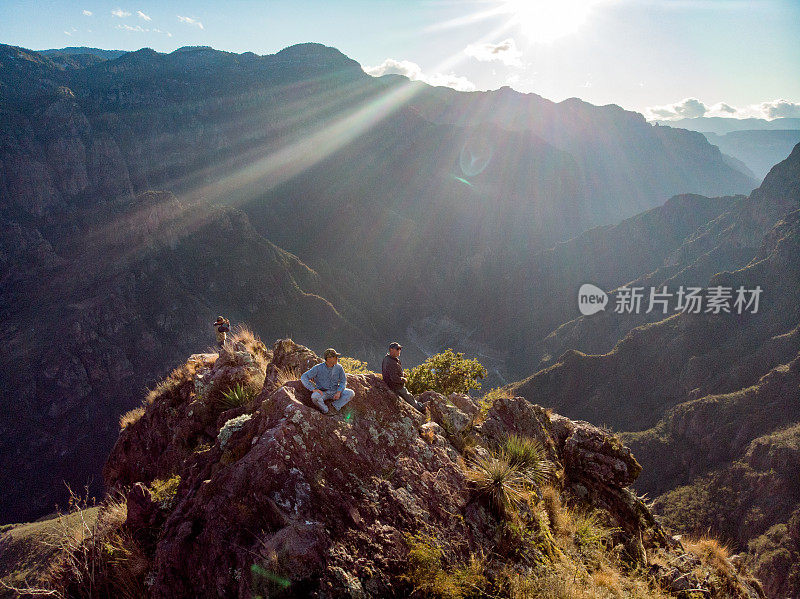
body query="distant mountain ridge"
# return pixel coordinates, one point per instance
(77, 50)
(756, 143)
(723, 125)
(759, 149)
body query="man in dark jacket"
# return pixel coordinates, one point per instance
(392, 371)
(222, 326)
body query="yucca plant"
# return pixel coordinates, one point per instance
(236, 396)
(530, 457)
(502, 482)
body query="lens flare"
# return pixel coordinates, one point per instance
(476, 153)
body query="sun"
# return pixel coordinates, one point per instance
(548, 20)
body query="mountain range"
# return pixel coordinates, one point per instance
(300, 195)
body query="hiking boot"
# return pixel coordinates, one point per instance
(320, 403)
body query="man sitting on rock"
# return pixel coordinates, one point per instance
(327, 380)
(392, 371)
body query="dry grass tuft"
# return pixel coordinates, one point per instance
(712, 553)
(287, 375)
(100, 559)
(241, 333)
(605, 578)
(130, 417)
(179, 376)
(551, 500)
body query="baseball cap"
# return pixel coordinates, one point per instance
(330, 352)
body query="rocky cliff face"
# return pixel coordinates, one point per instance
(271, 496)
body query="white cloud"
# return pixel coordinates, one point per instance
(693, 108)
(688, 108)
(87, 13)
(723, 107)
(191, 21)
(141, 15)
(137, 28)
(505, 52)
(167, 33)
(780, 109)
(68, 33)
(118, 12)
(414, 72)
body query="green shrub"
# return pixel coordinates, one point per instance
(353, 366)
(236, 396)
(433, 577)
(529, 455)
(164, 490)
(447, 372)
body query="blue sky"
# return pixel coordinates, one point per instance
(660, 57)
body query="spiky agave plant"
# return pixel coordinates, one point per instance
(502, 482)
(530, 457)
(236, 396)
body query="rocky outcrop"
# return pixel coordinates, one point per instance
(275, 495)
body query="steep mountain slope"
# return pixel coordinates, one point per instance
(103, 314)
(759, 150)
(718, 397)
(628, 165)
(687, 355)
(726, 243)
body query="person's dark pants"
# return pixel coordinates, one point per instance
(406, 395)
